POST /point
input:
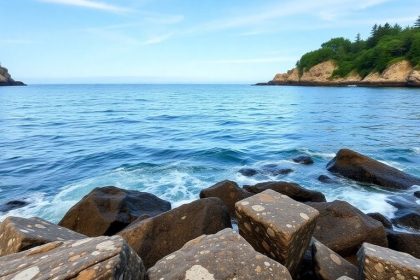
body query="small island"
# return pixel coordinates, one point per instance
(390, 57)
(6, 78)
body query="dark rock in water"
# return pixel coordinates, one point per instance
(303, 160)
(283, 171)
(162, 235)
(410, 220)
(325, 179)
(417, 194)
(6, 78)
(228, 191)
(275, 170)
(85, 259)
(343, 228)
(381, 218)
(330, 266)
(13, 204)
(225, 255)
(107, 210)
(248, 172)
(292, 190)
(19, 234)
(408, 213)
(361, 168)
(404, 242)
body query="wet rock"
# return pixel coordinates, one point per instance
(343, 228)
(408, 211)
(381, 218)
(361, 168)
(277, 226)
(382, 263)
(19, 234)
(417, 194)
(228, 191)
(303, 160)
(409, 220)
(90, 258)
(161, 235)
(225, 255)
(404, 242)
(13, 204)
(328, 265)
(325, 179)
(248, 172)
(292, 190)
(107, 210)
(275, 170)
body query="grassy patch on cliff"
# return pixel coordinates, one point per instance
(386, 45)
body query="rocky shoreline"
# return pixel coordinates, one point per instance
(6, 79)
(285, 231)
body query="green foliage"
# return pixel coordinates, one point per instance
(386, 45)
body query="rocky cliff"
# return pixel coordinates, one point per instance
(399, 74)
(6, 79)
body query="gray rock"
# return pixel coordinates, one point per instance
(19, 234)
(225, 255)
(381, 218)
(303, 160)
(90, 258)
(404, 242)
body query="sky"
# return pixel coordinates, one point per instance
(177, 41)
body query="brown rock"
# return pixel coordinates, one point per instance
(414, 78)
(107, 210)
(19, 234)
(277, 226)
(408, 220)
(225, 255)
(361, 168)
(404, 242)
(292, 190)
(381, 218)
(161, 235)
(319, 73)
(90, 258)
(307, 160)
(382, 263)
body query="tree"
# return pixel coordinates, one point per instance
(417, 23)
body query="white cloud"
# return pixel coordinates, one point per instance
(90, 4)
(158, 39)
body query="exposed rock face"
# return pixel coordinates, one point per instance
(382, 263)
(330, 266)
(6, 79)
(228, 191)
(19, 234)
(320, 73)
(277, 226)
(414, 78)
(225, 255)
(361, 168)
(343, 228)
(91, 258)
(107, 210)
(161, 235)
(292, 190)
(404, 242)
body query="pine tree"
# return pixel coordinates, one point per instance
(358, 39)
(417, 23)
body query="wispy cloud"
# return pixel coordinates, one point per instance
(90, 4)
(157, 39)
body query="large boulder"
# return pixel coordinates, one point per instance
(361, 168)
(225, 255)
(90, 258)
(292, 190)
(107, 210)
(19, 234)
(343, 228)
(404, 242)
(277, 226)
(228, 191)
(161, 235)
(381, 218)
(377, 262)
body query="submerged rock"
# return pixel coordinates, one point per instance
(107, 210)
(225, 255)
(325, 179)
(90, 258)
(361, 168)
(13, 204)
(307, 160)
(408, 211)
(19, 234)
(161, 235)
(404, 242)
(248, 172)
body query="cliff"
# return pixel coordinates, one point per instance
(6, 79)
(399, 74)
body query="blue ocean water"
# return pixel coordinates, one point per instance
(57, 142)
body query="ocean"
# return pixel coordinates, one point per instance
(58, 142)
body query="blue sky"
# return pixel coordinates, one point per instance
(175, 41)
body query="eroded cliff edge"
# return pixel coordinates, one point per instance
(6, 78)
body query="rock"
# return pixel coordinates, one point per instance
(225, 255)
(320, 73)
(6, 79)
(343, 228)
(408, 211)
(228, 191)
(13, 204)
(382, 263)
(90, 258)
(248, 172)
(107, 210)
(409, 220)
(162, 235)
(303, 160)
(283, 171)
(277, 226)
(381, 218)
(330, 266)
(361, 168)
(275, 170)
(19, 234)
(404, 242)
(325, 179)
(292, 190)
(414, 78)
(417, 194)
